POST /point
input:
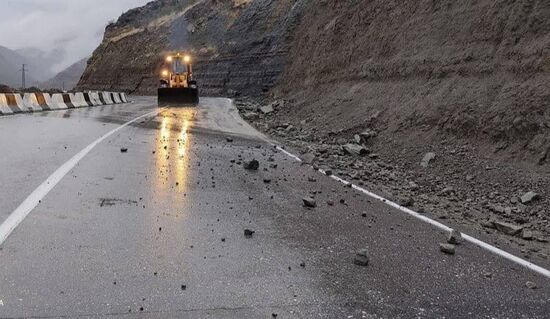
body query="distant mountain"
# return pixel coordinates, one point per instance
(39, 65)
(68, 78)
(10, 64)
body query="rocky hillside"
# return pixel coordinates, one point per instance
(467, 70)
(239, 46)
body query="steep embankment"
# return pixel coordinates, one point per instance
(476, 69)
(238, 45)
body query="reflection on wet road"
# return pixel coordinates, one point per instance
(173, 138)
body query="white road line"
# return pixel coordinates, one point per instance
(19, 214)
(468, 238)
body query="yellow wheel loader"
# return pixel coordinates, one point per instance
(177, 87)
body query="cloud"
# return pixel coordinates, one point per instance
(75, 26)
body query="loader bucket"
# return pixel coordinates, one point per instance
(178, 96)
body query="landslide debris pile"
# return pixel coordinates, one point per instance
(239, 46)
(442, 106)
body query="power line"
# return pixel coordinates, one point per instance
(23, 70)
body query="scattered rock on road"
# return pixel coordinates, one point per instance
(406, 201)
(531, 285)
(123, 150)
(249, 233)
(427, 159)
(252, 165)
(229, 139)
(309, 202)
(361, 258)
(308, 158)
(448, 249)
(529, 197)
(455, 237)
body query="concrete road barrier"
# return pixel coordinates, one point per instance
(94, 98)
(116, 98)
(31, 102)
(42, 99)
(11, 103)
(77, 100)
(67, 100)
(107, 98)
(15, 103)
(4, 108)
(58, 102)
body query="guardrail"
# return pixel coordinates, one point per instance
(13, 103)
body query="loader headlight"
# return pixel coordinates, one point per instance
(187, 59)
(164, 72)
(169, 59)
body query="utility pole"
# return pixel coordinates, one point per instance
(23, 70)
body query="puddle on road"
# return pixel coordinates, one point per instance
(108, 202)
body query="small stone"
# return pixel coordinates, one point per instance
(531, 285)
(526, 234)
(368, 134)
(252, 165)
(529, 197)
(124, 150)
(267, 180)
(357, 138)
(427, 159)
(249, 233)
(507, 228)
(308, 158)
(354, 149)
(455, 237)
(330, 203)
(406, 201)
(267, 109)
(448, 249)
(328, 172)
(229, 139)
(361, 258)
(183, 287)
(309, 202)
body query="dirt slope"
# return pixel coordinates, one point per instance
(473, 69)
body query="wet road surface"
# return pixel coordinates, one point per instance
(158, 231)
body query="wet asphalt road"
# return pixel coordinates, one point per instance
(157, 232)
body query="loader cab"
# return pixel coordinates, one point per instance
(177, 86)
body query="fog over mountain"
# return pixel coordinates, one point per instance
(55, 32)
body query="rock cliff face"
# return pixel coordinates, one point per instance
(463, 69)
(239, 46)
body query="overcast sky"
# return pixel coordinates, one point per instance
(74, 25)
